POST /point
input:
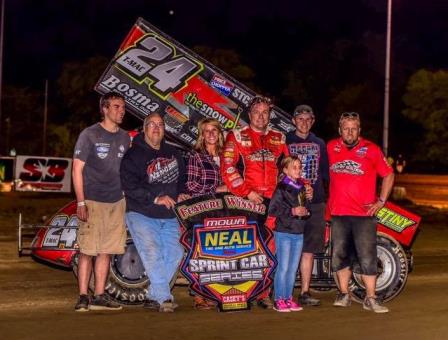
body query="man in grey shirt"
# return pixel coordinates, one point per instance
(100, 203)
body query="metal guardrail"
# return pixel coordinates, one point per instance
(26, 233)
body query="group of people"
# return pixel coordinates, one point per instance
(148, 178)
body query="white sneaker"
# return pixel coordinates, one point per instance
(374, 305)
(342, 300)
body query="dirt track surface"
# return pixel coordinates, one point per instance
(37, 301)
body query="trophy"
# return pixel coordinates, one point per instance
(302, 199)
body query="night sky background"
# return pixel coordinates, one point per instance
(299, 51)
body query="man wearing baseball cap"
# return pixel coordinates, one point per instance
(312, 152)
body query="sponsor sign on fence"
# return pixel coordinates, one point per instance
(50, 174)
(157, 74)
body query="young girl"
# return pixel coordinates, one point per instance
(288, 207)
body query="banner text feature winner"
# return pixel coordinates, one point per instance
(50, 174)
(157, 74)
(227, 258)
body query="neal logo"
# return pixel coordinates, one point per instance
(157, 61)
(44, 170)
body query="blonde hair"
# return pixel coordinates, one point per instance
(349, 116)
(287, 161)
(200, 142)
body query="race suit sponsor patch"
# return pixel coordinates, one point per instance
(262, 155)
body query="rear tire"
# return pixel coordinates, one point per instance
(392, 271)
(127, 282)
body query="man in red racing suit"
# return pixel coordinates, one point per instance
(259, 147)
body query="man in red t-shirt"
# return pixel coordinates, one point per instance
(354, 165)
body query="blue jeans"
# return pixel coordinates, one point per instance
(157, 243)
(288, 249)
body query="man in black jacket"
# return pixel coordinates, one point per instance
(153, 179)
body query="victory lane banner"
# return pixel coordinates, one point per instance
(227, 260)
(155, 73)
(47, 174)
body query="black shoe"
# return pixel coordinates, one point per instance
(102, 302)
(306, 299)
(265, 303)
(83, 303)
(151, 304)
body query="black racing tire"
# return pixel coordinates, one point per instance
(127, 282)
(392, 271)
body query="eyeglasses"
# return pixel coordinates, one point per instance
(153, 125)
(349, 115)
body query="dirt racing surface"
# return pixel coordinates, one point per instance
(37, 300)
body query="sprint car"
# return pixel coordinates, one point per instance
(55, 243)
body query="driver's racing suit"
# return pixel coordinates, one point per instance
(260, 153)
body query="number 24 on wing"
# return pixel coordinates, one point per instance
(157, 60)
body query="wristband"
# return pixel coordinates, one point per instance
(81, 204)
(381, 200)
